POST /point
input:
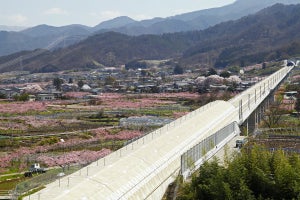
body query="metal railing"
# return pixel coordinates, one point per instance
(199, 151)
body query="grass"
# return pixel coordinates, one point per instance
(290, 120)
(9, 176)
(9, 182)
(31, 192)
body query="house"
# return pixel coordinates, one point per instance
(45, 97)
(10, 92)
(145, 88)
(69, 87)
(182, 86)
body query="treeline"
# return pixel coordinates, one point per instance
(255, 173)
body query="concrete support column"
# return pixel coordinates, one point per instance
(256, 115)
(251, 123)
(262, 109)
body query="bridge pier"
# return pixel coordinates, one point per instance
(251, 123)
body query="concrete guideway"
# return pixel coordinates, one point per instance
(144, 168)
(149, 162)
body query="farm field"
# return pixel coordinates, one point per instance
(69, 134)
(286, 139)
(57, 133)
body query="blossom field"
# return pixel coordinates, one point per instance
(34, 131)
(20, 108)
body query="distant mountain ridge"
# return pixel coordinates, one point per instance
(49, 37)
(45, 30)
(114, 23)
(199, 20)
(272, 33)
(12, 28)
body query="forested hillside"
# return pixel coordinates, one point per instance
(270, 34)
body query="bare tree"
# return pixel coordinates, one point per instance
(273, 114)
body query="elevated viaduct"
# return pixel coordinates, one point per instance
(144, 169)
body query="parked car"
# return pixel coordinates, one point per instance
(34, 169)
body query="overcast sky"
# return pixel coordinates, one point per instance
(92, 12)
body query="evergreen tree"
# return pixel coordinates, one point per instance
(255, 173)
(80, 83)
(211, 71)
(57, 82)
(178, 69)
(21, 97)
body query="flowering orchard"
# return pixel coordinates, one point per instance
(20, 108)
(61, 153)
(72, 157)
(32, 131)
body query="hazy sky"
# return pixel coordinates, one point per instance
(92, 12)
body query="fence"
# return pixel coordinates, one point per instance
(190, 159)
(46, 178)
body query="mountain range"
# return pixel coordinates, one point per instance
(49, 37)
(272, 33)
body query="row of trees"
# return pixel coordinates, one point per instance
(256, 173)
